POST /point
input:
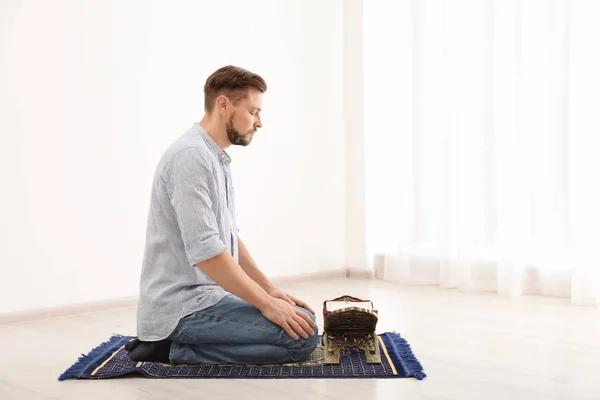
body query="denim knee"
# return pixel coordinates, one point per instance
(302, 348)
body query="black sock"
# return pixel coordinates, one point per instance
(149, 351)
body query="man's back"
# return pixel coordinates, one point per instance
(191, 219)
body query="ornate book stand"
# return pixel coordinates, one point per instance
(350, 322)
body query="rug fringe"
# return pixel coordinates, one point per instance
(85, 360)
(403, 352)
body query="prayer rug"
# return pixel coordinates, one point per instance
(111, 360)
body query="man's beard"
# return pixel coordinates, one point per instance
(234, 136)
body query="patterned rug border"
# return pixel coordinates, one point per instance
(396, 349)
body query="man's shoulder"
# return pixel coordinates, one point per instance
(192, 140)
(189, 147)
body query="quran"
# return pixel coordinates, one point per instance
(336, 305)
(350, 322)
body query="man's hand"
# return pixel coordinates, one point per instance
(280, 294)
(293, 320)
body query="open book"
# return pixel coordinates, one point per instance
(336, 305)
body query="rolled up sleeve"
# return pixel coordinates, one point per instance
(191, 187)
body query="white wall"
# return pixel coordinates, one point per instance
(354, 93)
(92, 92)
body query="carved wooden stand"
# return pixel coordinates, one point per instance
(350, 327)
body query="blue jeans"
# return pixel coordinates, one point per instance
(235, 332)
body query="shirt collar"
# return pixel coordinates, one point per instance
(212, 145)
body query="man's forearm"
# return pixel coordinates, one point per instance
(251, 269)
(225, 272)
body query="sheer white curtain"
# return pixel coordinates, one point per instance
(481, 131)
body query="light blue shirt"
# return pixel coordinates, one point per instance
(191, 219)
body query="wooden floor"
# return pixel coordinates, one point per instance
(472, 346)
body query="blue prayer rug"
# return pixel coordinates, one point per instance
(110, 360)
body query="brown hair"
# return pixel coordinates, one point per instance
(232, 82)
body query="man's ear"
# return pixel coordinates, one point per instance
(223, 105)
